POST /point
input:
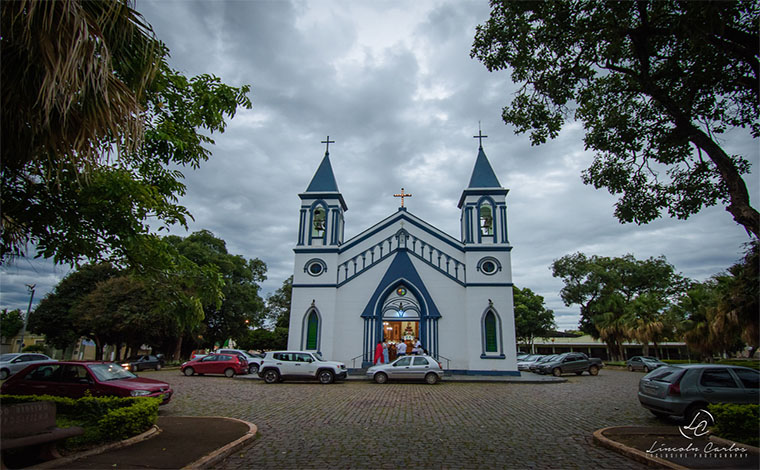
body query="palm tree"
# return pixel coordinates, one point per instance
(74, 74)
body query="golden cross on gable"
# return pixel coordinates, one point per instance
(402, 196)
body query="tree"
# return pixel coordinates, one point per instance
(241, 306)
(55, 318)
(74, 200)
(619, 298)
(278, 304)
(532, 318)
(11, 323)
(655, 84)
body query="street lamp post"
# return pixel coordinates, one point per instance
(26, 317)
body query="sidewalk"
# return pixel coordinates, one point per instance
(181, 442)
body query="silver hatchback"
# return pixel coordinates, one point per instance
(682, 390)
(407, 368)
(11, 363)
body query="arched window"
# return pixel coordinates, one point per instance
(486, 219)
(312, 330)
(318, 223)
(489, 324)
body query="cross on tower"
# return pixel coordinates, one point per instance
(402, 196)
(328, 142)
(480, 136)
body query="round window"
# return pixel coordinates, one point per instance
(489, 266)
(315, 267)
(401, 291)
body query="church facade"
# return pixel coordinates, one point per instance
(404, 279)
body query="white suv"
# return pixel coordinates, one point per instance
(280, 365)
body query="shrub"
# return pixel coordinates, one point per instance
(736, 422)
(38, 348)
(103, 418)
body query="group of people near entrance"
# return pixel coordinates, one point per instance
(386, 352)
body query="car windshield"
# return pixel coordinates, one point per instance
(106, 372)
(7, 357)
(132, 358)
(318, 357)
(546, 358)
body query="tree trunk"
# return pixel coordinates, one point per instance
(645, 349)
(98, 349)
(177, 349)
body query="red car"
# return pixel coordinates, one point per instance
(73, 379)
(227, 364)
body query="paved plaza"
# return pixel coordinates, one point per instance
(417, 426)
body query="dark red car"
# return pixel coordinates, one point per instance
(73, 379)
(227, 364)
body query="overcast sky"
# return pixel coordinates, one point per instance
(393, 84)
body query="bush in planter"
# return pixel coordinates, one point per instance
(103, 418)
(736, 422)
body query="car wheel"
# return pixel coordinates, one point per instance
(253, 369)
(646, 369)
(693, 410)
(431, 378)
(381, 378)
(189, 371)
(158, 366)
(557, 372)
(630, 368)
(593, 370)
(229, 372)
(4, 374)
(271, 376)
(326, 377)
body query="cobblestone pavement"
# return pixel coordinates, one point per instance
(418, 426)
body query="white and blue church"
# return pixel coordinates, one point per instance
(403, 279)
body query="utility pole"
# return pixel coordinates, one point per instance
(26, 317)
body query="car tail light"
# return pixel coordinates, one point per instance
(675, 387)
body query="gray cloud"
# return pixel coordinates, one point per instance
(393, 84)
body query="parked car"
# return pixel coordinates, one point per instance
(75, 379)
(13, 362)
(533, 366)
(254, 360)
(280, 365)
(645, 363)
(138, 363)
(684, 389)
(227, 364)
(571, 362)
(524, 363)
(407, 368)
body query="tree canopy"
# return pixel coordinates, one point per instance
(620, 298)
(655, 84)
(11, 322)
(99, 127)
(532, 318)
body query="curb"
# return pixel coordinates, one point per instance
(632, 453)
(223, 452)
(152, 432)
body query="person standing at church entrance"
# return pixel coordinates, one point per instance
(379, 353)
(385, 351)
(401, 349)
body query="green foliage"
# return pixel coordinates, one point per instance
(39, 348)
(11, 323)
(104, 419)
(262, 339)
(278, 304)
(620, 298)
(737, 422)
(241, 305)
(99, 209)
(655, 85)
(532, 318)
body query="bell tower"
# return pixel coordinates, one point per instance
(322, 207)
(483, 205)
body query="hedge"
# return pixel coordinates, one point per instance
(736, 422)
(104, 418)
